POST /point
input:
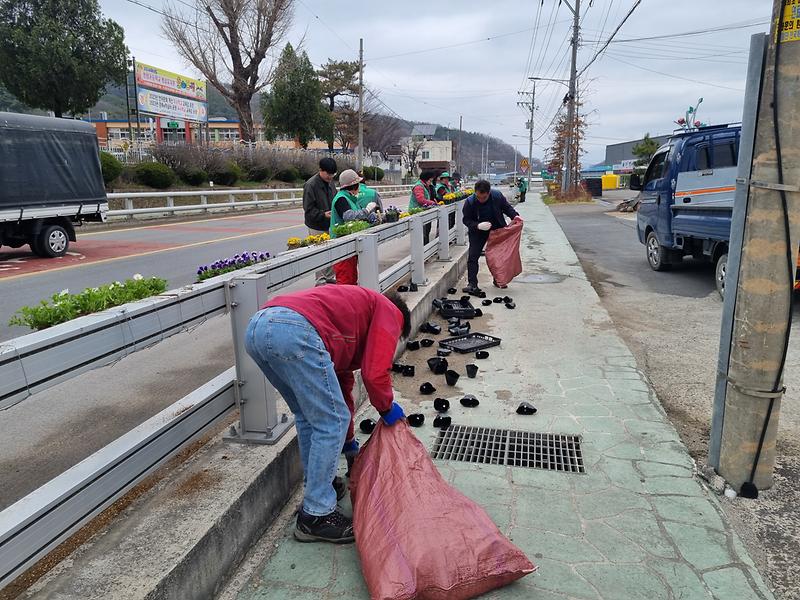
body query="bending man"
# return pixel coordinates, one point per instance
(308, 344)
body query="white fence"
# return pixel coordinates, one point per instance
(47, 516)
(231, 199)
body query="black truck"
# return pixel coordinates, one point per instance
(50, 181)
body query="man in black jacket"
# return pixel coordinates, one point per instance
(485, 210)
(318, 192)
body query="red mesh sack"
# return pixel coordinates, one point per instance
(417, 537)
(502, 252)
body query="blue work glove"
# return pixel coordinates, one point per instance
(350, 448)
(393, 415)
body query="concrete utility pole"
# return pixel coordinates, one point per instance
(760, 274)
(532, 106)
(460, 127)
(360, 156)
(567, 182)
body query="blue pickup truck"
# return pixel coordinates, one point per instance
(686, 198)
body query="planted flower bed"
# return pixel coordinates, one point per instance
(312, 240)
(227, 265)
(63, 307)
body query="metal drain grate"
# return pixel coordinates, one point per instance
(550, 451)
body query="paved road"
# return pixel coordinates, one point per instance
(172, 251)
(671, 322)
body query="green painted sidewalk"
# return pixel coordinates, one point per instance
(637, 525)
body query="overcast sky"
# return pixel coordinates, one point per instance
(623, 94)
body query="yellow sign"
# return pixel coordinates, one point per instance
(169, 82)
(789, 27)
(524, 164)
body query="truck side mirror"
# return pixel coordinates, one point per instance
(636, 182)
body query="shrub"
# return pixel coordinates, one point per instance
(226, 174)
(373, 173)
(288, 175)
(64, 306)
(155, 175)
(110, 166)
(193, 176)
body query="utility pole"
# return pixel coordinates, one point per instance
(532, 106)
(460, 126)
(762, 261)
(566, 184)
(360, 156)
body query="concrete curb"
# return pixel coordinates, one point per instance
(184, 537)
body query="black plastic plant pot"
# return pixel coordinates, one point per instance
(463, 330)
(497, 300)
(507, 299)
(416, 420)
(526, 408)
(408, 371)
(454, 321)
(452, 291)
(478, 312)
(469, 401)
(511, 305)
(397, 367)
(426, 342)
(472, 371)
(402, 288)
(451, 377)
(465, 300)
(437, 303)
(481, 294)
(481, 354)
(442, 422)
(438, 365)
(444, 352)
(486, 302)
(427, 388)
(441, 405)
(431, 328)
(413, 287)
(412, 345)
(367, 426)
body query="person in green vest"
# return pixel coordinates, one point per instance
(455, 182)
(369, 194)
(350, 205)
(522, 185)
(421, 197)
(443, 185)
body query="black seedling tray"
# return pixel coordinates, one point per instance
(471, 342)
(454, 308)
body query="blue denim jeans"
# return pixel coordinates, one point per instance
(294, 359)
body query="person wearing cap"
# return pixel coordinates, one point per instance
(483, 211)
(443, 185)
(348, 205)
(368, 194)
(455, 181)
(308, 344)
(422, 196)
(522, 186)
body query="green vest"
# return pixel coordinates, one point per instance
(439, 186)
(412, 201)
(351, 200)
(523, 185)
(366, 195)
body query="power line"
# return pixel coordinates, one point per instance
(611, 37)
(716, 85)
(326, 26)
(731, 27)
(534, 33)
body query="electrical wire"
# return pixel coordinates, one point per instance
(730, 27)
(716, 85)
(532, 46)
(611, 37)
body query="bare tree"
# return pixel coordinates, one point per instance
(227, 41)
(409, 151)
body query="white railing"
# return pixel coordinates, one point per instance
(231, 199)
(47, 516)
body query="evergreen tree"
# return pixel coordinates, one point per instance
(644, 150)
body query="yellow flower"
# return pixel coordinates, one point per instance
(450, 196)
(403, 215)
(440, 203)
(293, 241)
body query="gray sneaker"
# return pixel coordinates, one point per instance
(334, 528)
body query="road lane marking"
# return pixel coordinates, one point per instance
(147, 253)
(109, 231)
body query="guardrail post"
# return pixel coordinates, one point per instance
(171, 204)
(204, 202)
(417, 251)
(443, 231)
(259, 422)
(232, 200)
(129, 206)
(461, 231)
(368, 267)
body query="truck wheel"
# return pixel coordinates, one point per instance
(721, 274)
(53, 241)
(656, 253)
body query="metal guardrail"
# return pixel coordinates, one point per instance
(265, 197)
(37, 523)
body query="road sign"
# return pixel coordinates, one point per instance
(523, 165)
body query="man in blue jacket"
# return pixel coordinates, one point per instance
(485, 210)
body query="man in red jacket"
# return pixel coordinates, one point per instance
(308, 344)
